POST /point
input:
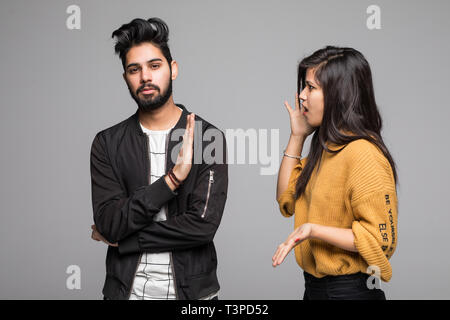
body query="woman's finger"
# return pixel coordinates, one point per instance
(282, 255)
(277, 253)
(297, 102)
(275, 256)
(288, 107)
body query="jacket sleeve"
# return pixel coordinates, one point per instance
(116, 213)
(286, 201)
(194, 227)
(374, 206)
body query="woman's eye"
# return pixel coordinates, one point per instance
(310, 87)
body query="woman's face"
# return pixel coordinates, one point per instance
(312, 96)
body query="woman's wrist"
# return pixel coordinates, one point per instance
(295, 146)
(299, 137)
(314, 230)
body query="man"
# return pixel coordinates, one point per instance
(158, 215)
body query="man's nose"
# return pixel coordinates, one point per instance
(146, 75)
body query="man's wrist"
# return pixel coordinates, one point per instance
(175, 175)
(169, 182)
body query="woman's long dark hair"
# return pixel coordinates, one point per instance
(349, 105)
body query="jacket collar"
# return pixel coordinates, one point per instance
(181, 123)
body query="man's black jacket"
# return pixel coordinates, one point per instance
(124, 203)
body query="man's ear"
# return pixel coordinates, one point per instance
(174, 66)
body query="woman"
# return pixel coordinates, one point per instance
(343, 193)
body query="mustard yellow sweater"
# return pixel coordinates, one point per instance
(354, 189)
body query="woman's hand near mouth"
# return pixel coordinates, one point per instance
(299, 124)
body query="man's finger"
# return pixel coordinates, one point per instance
(187, 131)
(192, 127)
(188, 123)
(94, 237)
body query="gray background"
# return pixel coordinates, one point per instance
(238, 64)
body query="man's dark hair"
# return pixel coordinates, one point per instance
(153, 30)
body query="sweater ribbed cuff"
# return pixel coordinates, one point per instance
(370, 251)
(286, 203)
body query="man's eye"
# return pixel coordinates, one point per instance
(155, 66)
(132, 70)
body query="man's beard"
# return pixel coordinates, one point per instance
(151, 103)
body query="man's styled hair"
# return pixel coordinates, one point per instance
(153, 30)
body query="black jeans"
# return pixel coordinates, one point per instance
(346, 287)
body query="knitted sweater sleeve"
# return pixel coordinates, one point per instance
(287, 199)
(374, 204)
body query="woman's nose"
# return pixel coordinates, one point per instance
(302, 95)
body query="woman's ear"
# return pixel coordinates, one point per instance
(174, 66)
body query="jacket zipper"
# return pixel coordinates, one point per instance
(148, 180)
(211, 181)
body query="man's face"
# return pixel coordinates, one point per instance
(149, 76)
